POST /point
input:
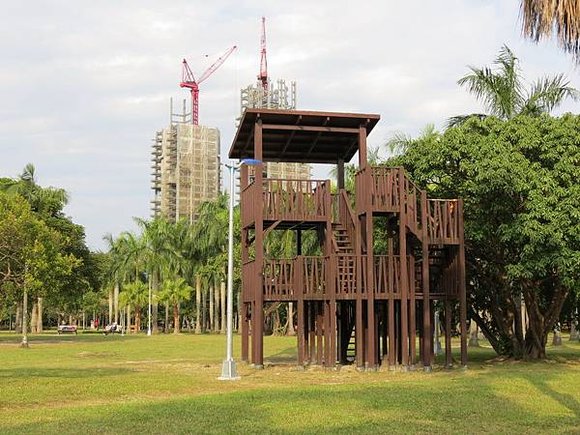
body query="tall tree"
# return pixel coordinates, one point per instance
(174, 293)
(135, 295)
(522, 201)
(503, 92)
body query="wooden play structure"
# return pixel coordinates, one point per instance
(351, 302)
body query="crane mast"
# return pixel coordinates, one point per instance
(263, 76)
(188, 81)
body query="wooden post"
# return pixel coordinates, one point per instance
(462, 285)
(391, 302)
(412, 313)
(245, 330)
(301, 331)
(448, 356)
(340, 174)
(403, 263)
(426, 352)
(257, 202)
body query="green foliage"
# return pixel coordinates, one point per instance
(503, 93)
(519, 180)
(175, 292)
(30, 251)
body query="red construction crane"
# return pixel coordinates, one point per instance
(263, 76)
(188, 81)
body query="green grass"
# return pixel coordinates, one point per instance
(168, 384)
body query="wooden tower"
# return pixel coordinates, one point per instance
(350, 299)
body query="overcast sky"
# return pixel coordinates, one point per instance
(85, 84)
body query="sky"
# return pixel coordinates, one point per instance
(85, 84)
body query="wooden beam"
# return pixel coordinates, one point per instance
(321, 129)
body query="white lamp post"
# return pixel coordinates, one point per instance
(149, 308)
(229, 372)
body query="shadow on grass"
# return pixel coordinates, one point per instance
(64, 373)
(452, 407)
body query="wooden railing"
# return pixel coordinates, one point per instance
(279, 278)
(412, 204)
(385, 188)
(346, 268)
(380, 186)
(443, 221)
(344, 275)
(313, 275)
(296, 199)
(387, 274)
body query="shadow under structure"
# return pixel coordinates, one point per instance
(355, 303)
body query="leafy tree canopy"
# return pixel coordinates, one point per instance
(519, 179)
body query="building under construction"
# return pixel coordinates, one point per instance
(186, 168)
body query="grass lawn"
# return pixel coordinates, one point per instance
(168, 384)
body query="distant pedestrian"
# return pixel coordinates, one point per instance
(97, 324)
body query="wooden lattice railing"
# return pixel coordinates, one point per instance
(443, 221)
(296, 199)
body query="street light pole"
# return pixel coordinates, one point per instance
(229, 372)
(149, 308)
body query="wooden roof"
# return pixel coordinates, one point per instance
(301, 136)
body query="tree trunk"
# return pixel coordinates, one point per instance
(211, 307)
(116, 302)
(176, 324)
(128, 319)
(137, 319)
(223, 305)
(216, 306)
(18, 321)
(167, 318)
(111, 305)
(290, 328)
(204, 311)
(155, 304)
(39, 319)
(473, 331)
(33, 318)
(198, 304)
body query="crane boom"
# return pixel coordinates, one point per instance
(188, 81)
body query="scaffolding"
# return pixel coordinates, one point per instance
(280, 95)
(186, 169)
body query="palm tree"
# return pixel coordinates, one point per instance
(504, 94)
(47, 201)
(541, 18)
(159, 254)
(135, 296)
(210, 236)
(175, 291)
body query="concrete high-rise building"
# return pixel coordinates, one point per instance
(186, 169)
(282, 96)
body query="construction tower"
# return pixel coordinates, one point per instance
(186, 167)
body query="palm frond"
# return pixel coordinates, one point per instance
(455, 121)
(542, 18)
(547, 93)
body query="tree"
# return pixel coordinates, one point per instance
(503, 91)
(31, 260)
(135, 295)
(174, 293)
(47, 204)
(542, 18)
(522, 218)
